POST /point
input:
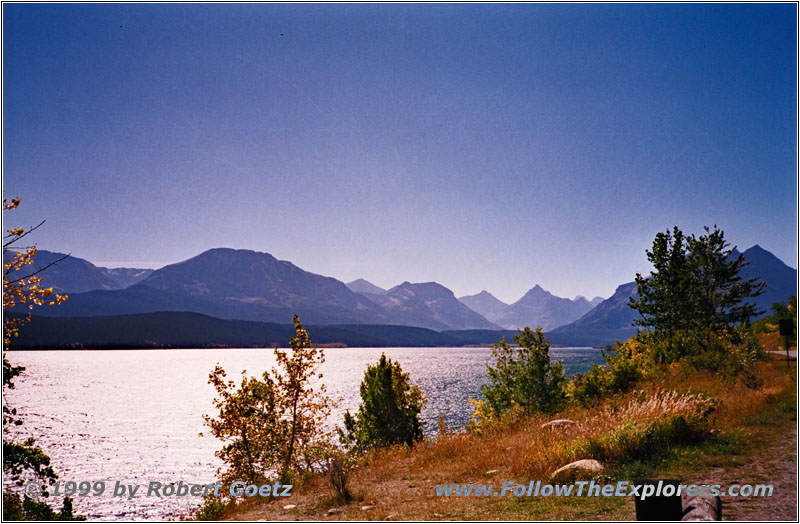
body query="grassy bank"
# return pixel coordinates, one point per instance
(684, 424)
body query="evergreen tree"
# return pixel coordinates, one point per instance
(695, 293)
(389, 411)
(719, 289)
(664, 301)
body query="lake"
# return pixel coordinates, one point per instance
(136, 415)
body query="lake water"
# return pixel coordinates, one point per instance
(136, 415)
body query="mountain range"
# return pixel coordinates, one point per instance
(252, 286)
(429, 305)
(537, 307)
(76, 275)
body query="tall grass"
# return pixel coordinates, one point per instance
(631, 433)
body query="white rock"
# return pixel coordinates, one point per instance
(290, 506)
(558, 423)
(366, 508)
(491, 472)
(334, 511)
(585, 467)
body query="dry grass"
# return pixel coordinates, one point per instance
(399, 484)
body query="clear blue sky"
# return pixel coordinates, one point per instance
(481, 146)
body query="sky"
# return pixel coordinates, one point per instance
(481, 146)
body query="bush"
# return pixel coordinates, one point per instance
(589, 388)
(213, 508)
(625, 367)
(524, 377)
(734, 357)
(14, 508)
(338, 470)
(389, 411)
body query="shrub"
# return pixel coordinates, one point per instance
(624, 368)
(523, 376)
(588, 388)
(389, 411)
(338, 470)
(14, 508)
(734, 357)
(213, 508)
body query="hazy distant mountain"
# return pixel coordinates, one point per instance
(612, 319)
(595, 301)
(485, 304)
(781, 279)
(233, 284)
(365, 286)
(126, 276)
(429, 305)
(76, 275)
(541, 308)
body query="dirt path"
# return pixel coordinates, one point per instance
(772, 461)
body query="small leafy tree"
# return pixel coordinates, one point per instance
(24, 458)
(523, 376)
(21, 287)
(250, 424)
(389, 411)
(304, 408)
(273, 426)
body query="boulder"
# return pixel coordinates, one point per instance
(558, 424)
(585, 468)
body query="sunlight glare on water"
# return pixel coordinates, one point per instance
(136, 415)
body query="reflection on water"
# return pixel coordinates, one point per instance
(135, 416)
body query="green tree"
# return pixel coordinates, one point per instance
(273, 426)
(719, 290)
(694, 295)
(665, 296)
(523, 376)
(784, 310)
(389, 411)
